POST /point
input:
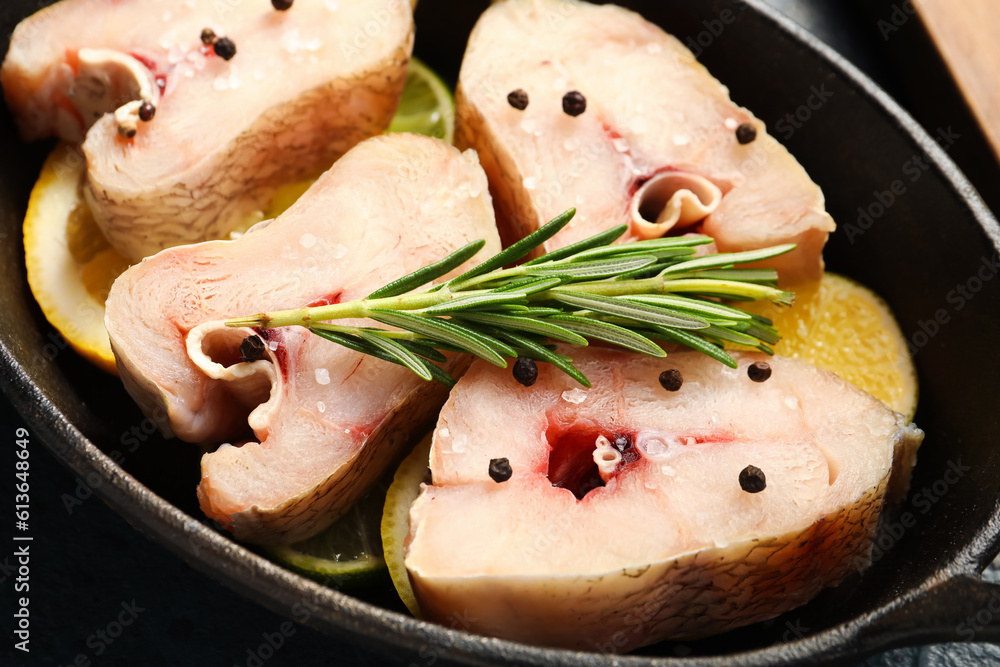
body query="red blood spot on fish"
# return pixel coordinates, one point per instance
(328, 300)
(571, 455)
(356, 367)
(73, 60)
(610, 132)
(66, 104)
(146, 62)
(280, 353)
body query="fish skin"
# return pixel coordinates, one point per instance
(629, 565)
(651, 108)
(326, 420)
(303, 95)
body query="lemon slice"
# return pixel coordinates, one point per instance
(70, 265)
(402, 492)
(346, 555)
(843, 327)
(427, 106)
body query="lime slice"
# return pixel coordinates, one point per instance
(427, 106)
(348, 554)
(402, 492)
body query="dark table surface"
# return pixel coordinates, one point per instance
(173, 615)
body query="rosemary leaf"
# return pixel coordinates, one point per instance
(540, 353)
(424, 350)
(730, 258)
(730, 336)
(436, 328)
(684, 303)
(599, 269)
(358, 345)
(517, 250)
(609, 333)
(597, 240)
(431, 272)
(397, 351)
(531, 325)
(665, 250)
(478, 301)
(729, 289)
(695, 343)
(531, 285)
(637, 311)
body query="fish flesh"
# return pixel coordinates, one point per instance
(571, 104)
(625, 521)
(303, 87)
(313, 423)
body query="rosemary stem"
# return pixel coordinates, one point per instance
(309, 317)
(354, 331)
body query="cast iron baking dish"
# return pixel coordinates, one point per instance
(931, 253)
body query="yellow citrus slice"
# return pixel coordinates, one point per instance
(70, 265)
(843, 327)
(402, 492)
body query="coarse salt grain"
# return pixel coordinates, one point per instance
(574, 396)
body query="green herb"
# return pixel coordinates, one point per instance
(628, 294)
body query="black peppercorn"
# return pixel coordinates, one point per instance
(752, 479)
(208, 37)
(671, 380)
(518, 99)
(746, 133)
(252, 348)
(500, 470)
(146, 111)
(759, 371)
(574, 103)
(525, 371)
(281, 5)
(225, 48)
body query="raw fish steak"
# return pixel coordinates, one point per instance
(312, 423)
(571, 104)
(220, 136)
(634, 514)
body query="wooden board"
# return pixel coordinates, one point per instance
(967, 33)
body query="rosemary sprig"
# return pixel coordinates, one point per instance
(629, 294)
